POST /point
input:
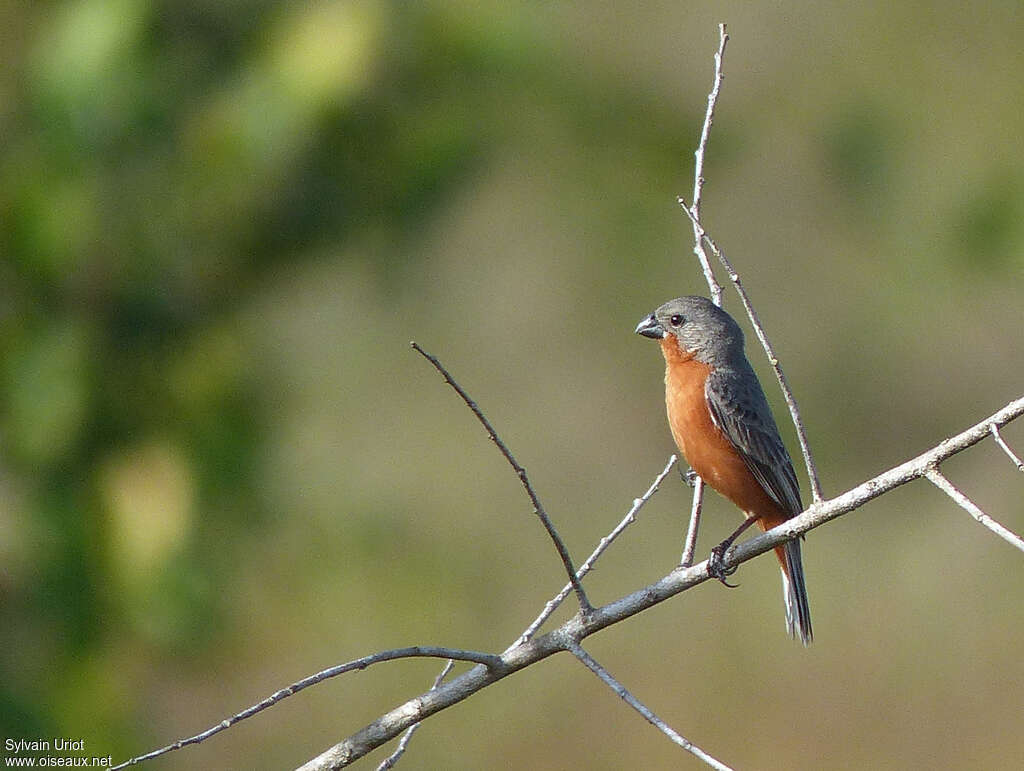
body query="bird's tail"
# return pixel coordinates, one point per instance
(794, 592)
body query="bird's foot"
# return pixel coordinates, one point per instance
(715, 567)
(689, 477)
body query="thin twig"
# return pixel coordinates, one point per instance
(604, 543)
(690, 544)
(577, 650)
(1006, 448)
(698, 170)
(936, 477)
(488, 660)
(787, 393)
(403, 744)
(538, 509)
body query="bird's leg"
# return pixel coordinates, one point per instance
(715, 568)
(689, 476)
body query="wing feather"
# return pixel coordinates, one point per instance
(740, 410)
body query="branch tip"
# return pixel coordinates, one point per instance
(563, 552)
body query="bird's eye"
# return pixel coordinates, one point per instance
(676, 320)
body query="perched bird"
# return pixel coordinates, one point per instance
(722, 424)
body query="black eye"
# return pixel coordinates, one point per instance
(676, 320)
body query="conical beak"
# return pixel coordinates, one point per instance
(650, 327)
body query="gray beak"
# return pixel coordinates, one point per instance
(650, 327)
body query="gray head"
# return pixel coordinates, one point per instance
(701, 328)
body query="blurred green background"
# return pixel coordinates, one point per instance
(222, 468)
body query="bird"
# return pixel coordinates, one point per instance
(721, 422)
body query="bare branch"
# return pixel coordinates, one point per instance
(577, 628)
(647, 714)
(1006, 448)
(690, 544)
(538, 509)
(698, 169)
(787, 393)
(604, 543)
(488, 661)
(936, 477)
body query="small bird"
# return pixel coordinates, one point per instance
(723, 426)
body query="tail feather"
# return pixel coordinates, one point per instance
(794, 592)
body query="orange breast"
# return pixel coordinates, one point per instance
(708, 451)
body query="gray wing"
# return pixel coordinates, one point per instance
(739, 408)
